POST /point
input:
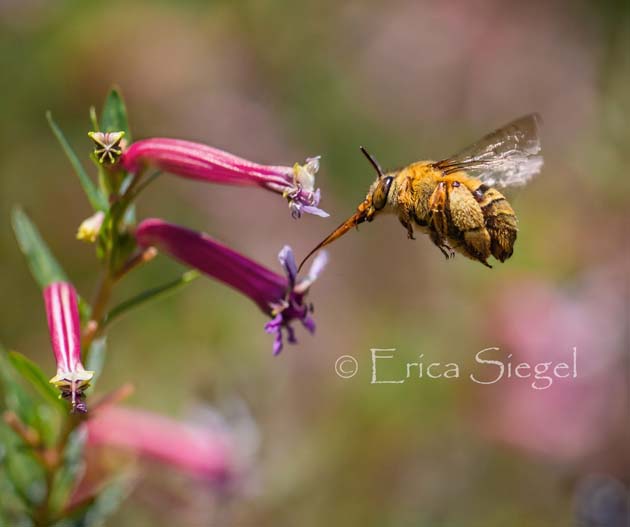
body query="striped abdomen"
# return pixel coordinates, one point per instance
(500, 220)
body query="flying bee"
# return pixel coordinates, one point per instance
(455, 201)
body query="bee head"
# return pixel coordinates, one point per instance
(377, 196)
(375, 201)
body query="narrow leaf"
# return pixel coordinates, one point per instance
(12, 505)
(114, 115)
(150, 294)
(31, 372)
(16, 397)
(94, 120)
(26, 475)
(95, 358)
(19, 400)
(96, 508)
(96, 199)
(40, 259)
(70, 471)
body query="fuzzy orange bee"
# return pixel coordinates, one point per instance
(455, 201)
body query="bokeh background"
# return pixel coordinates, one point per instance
(278, 82)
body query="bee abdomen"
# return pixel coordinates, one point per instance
(500, 220)
(487, 196)
(480, 192)
(502, 227)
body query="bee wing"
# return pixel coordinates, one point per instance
(505, 158)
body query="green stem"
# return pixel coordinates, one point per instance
(145, 296)
(99, 307)
(52, 461)
(133, 195)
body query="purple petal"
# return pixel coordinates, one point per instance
(274, 324)
(277, 343)
(320, 261)
(309, 209)
(287, 260)
(309, 324)
(291, 335)
(317, 267)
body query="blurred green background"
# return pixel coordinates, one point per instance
(276, 82)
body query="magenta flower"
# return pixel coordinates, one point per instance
(197, 450)
(65, 336)
(202, 162)
(280, 297)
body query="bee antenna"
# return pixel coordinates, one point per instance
(373, 162)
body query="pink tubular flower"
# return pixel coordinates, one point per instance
(202, 162)
(281, 297)
(196, 450)
(65, 336)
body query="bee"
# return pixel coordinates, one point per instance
(455, 201)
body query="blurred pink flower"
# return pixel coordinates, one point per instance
(204, 163)
(65, 335)
(196, 450)
(281, 297)
(537, 322)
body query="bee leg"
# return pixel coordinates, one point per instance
(441, 244)
(407, 225)
(448, 253)
(468, 230)
(476, 243)
(437, 206)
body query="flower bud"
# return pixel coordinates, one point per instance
(90, 227)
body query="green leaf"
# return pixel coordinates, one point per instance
(95, 359)
(114, 115)
(94, 120)
(31, 372)
(70, 471)
(129, 218)
(40, 415)
(40, 259)
(16, 397)
(49, 420)
(94, 510)
(22, 470)
(85, 311)
(13, 507)
(148, 295)
(95, 197)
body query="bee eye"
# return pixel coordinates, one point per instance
(379, 198)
